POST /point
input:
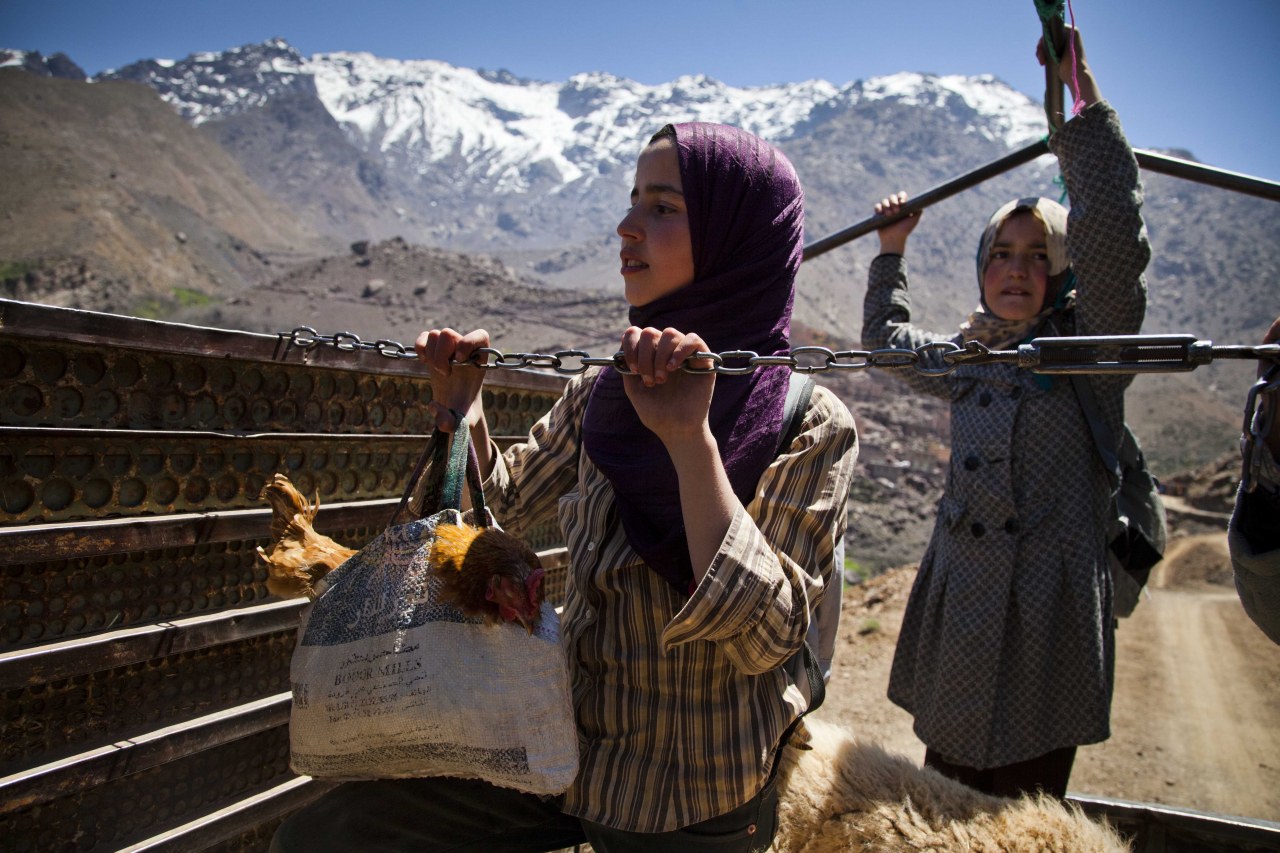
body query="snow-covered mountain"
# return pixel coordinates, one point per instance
(511, 131)
(34, 62)
(478, 160)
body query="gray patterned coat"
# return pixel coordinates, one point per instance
(1007, 649)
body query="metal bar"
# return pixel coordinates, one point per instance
(38, 543)
(53, 661)
(1115, 354)
(235, 819)
(1150, 160)
(1053, 108)
(1264, 834)
(31, 320)
(100, 766)
(91, 434)
(109, 474)
(69, 658)
(1199, 173)
(929, 197)
(1129, 354)
(1252, 352)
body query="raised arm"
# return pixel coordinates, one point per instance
(886, 308)
(777, 560)
(1106, 237)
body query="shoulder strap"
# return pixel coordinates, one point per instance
(1103, 440)
(799, 391)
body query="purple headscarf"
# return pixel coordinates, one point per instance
(746, 221)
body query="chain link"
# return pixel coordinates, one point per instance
(1089, 354)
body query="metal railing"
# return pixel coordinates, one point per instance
(1152, 161)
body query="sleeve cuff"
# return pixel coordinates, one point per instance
(734, 594)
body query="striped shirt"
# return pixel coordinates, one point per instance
(681, 701)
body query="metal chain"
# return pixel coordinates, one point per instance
(1084, 354)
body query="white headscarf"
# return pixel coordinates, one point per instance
(985, 326)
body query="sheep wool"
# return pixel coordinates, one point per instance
(843, 794)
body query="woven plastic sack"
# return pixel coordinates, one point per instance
(390, 683)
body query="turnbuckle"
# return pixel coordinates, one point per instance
(1116, 354)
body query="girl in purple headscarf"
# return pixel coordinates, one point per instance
(697, 546)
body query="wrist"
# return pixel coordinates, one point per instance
(691, 449)
(1087, 90)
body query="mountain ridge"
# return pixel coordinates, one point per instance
(346, 162)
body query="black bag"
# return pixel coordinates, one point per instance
(1140, 530)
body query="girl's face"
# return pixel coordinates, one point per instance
(657, 251)
(1017, 274)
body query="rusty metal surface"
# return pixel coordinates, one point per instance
(69, 327)
(61, 384)
(246, 826)
(122, 758)
(32, 666)
(133, 606)
(37, 543)
(63, 475)
(54, 475)
(56, 600)
(137, 806)
(56, 384)
(73, 714)
(61, 599)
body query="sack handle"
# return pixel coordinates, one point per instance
(451, 460)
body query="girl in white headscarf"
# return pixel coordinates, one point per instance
(1006, 655)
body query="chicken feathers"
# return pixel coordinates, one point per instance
(297, 556)
(486, 572)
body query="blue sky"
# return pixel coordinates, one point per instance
(1200, 75)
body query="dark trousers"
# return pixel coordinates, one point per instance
(459, 815)
(1047, 773)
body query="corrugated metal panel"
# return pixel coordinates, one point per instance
(143, 664)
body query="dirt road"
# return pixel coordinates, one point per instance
(1196, 716)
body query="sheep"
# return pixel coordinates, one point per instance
(842, 794)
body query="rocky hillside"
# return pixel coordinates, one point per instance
(111, 201)
(393, 290)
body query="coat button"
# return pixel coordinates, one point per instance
(977, 530)
(1015, 392)
(984, 399)
(972, 463)
(1011, 526)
